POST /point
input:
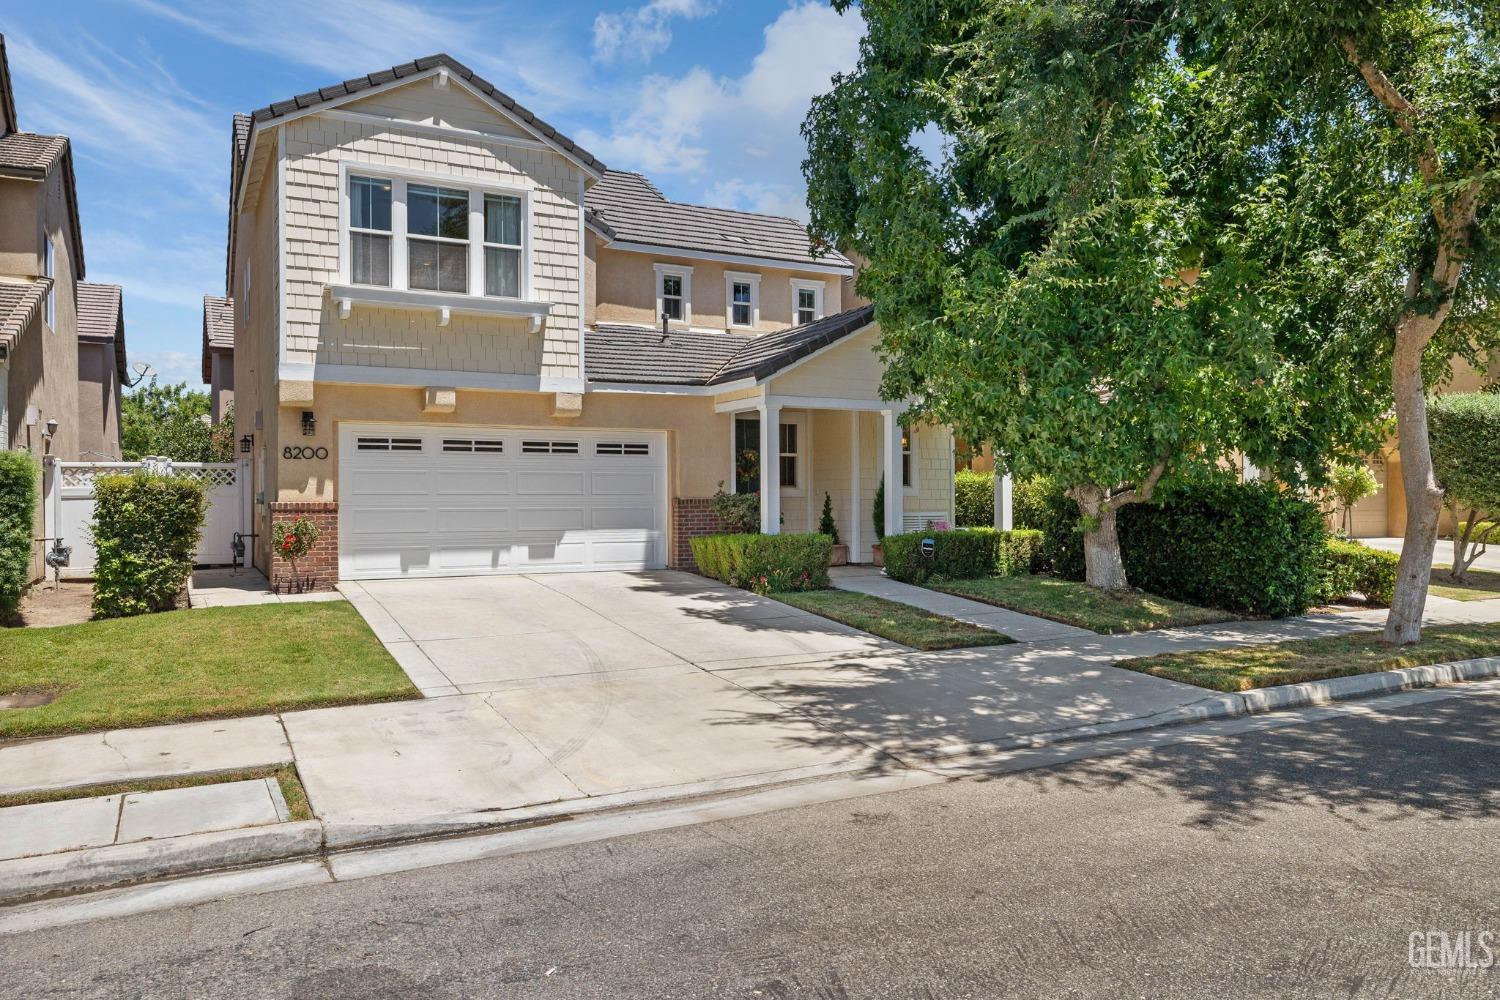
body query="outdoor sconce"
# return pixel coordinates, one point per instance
(246, 443)
(309, 423)
(48, 435)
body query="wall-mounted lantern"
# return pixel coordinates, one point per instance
(246, 443)
(309, 423)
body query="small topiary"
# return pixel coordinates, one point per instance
(826, 523)
(880, 510)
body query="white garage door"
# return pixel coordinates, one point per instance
(455, 501)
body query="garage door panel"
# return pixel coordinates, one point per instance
(452, 501)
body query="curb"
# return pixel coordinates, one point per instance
(104, 867)
(26, 879)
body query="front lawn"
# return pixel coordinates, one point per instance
(1483, 585)
(1079, 604)
(890, 620)
(1243, 668)
(202, 664)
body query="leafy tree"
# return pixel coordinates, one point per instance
(1465, 434)
(1080, 276)
(169, 421)
(221, 436)
(1351, 482)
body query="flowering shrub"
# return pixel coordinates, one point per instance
(293, 540)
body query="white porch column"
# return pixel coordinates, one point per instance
(770, 468)
(856, 503)
(1003, 505)
(895, 492)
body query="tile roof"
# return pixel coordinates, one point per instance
(639, 354)
(8, 122)
(339, 91)
(33, 155)
(20, 302)
(636, 212)
(98, 310)
(635, 354)
(218, 329)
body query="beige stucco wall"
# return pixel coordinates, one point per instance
(849, 370)
(98, 403)
(626, 290)
(410, 339)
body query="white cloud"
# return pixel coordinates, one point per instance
(171, 367)
(758, 196)
(116, 109)
(171, 272)
(645, 31)
(698, 121)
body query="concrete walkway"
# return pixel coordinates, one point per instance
(221, 587)
(1022, 628)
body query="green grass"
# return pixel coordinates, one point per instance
(1483, 585)
(1246, 667)
(285, 775)
(891, 620)
(1079, 604)
(204, 664)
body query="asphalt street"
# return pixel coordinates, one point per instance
(1292, 863)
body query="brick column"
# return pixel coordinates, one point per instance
(692, 517)
(322, 563)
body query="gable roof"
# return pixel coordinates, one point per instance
(32, 156)
(218, 329)
(19, 303)
(634, 211)
(640, 355)
(8, 121)
(339, 92)
(101, 320)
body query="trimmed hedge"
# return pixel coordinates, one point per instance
(18, 479)
(1350, 567)
(963, 554)
(1041, 504)
(1250, 547)
(765, 563)
(973, 499)
(145, 530)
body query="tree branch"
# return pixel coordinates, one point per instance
(1141, 493)
(1401, 109)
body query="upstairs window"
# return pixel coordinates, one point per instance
(741, 304)
(437, 244)
(49, 311)
(502, 245)
(674, 293)
(807, 301)
(742, 295)
(671, 296)
(369, 232)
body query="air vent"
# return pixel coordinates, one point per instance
(474, 446)
(549, 447)
(622, 448)
(388, 444)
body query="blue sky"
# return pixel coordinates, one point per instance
(704, 96)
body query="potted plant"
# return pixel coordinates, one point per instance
(876, 555)
(292, 540)
(839, 554)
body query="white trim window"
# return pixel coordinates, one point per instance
(741, 299)
(369, 231)
(807, 301)
(49, 265)
(908, 467)
(437, 238)
(674, 293)
(788, 453)
(433, 233)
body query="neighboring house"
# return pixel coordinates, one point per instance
(449, 351)
(102, 373)
(218, 353)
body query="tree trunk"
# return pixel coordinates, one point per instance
(1104, 568)
(1424, 498)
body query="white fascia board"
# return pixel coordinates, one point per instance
(657, 250)
(665, 389)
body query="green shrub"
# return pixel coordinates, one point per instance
(879, 511)
(963, 554)
(1041, 504)
(765, 563)
(738, 513)
(145, 530)
(18, 479)
(826, 524)
(973, 499)
(1251, 547)
(1350, 567)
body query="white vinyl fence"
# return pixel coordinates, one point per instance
(69, 506)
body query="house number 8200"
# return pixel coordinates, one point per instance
(319, 453)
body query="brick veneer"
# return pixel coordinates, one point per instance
(322, 563)
(692, 517)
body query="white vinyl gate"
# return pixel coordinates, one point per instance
(69, 507)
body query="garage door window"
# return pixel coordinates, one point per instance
(622, 448)
(549, 447)
(389, 444)
(473, 446)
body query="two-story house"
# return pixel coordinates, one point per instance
(62, 340)
(463, 345)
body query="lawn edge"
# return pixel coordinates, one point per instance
(995, 638)
(1229, 616)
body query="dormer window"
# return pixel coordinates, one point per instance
(807, 301)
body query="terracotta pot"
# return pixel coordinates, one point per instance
(839, 556)
(876, 555)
